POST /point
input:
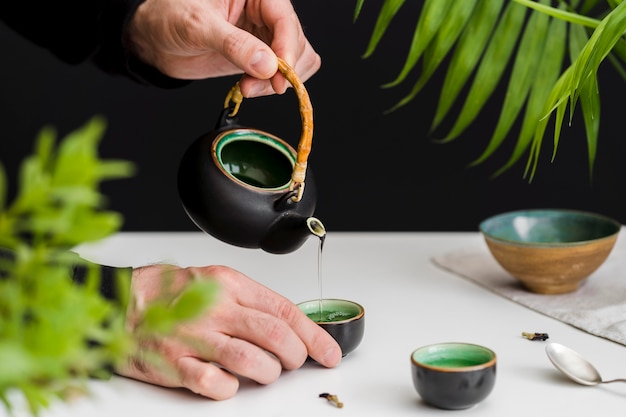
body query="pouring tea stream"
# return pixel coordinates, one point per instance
(245, 186)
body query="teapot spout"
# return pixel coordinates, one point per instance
(316, 227)
(290, 232)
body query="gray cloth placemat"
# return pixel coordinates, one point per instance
(597, 307)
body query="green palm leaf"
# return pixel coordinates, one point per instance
(438, 48)
(590, 106)
(388, 11)
(588, 5)
(604, 38)
(547, 74)
(467, 54)
(560, 13)
(557, 91)
(482, 38)
(357, 9)
(529, 57)
(590, 103)
(581, 77)
(491, 68)
(432, 25)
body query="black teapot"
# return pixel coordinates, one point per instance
(246, 187)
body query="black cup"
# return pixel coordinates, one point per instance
(453, 376)
(344, 320)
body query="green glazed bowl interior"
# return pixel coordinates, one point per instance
(255, 159)
(344, 320)
(331, 310)
(551, 227)
(454, 357)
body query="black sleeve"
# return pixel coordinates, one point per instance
(108, 278)
(79, 30)
(78, 271)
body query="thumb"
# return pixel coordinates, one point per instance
(246, 51)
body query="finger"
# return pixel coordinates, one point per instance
(206, 379)
(290, 43)
(287, 39)
(318, 343)
(308, 63)
(245, 359)
(284, 31)
(253, 87)
(244, 50)
(186, 371)
(267, 331)
(305, 67)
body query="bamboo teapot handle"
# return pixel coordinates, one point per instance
(306, 114)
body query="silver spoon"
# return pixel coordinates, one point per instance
(574, 366)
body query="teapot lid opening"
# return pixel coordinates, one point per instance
(254, 158)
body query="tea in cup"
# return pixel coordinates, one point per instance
(453, 376)
(344, 320)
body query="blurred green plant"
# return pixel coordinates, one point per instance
(553, 49)
(55, 334)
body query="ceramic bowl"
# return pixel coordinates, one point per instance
(344, 320)
(453, 376)
(550, 251)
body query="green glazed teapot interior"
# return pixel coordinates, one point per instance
(255, 158)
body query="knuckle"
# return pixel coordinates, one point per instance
(286, 310)
(212, 270)
(276, 332)
(210, 383)
(201, 381)
(232, 44)
(235, 353)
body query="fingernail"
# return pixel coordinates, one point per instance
(261, 63)
(332, 357)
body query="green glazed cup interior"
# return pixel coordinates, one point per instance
(550, 227)
(332, 310)
(344, 320)
(255, 158)
(453, 357)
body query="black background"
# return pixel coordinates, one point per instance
(375, 171)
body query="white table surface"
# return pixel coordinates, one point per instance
(409, 302)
